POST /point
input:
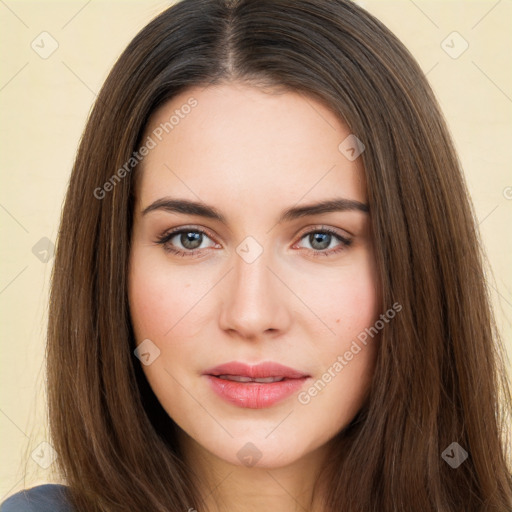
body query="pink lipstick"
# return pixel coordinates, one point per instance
(255, 387)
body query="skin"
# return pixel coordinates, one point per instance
(251, 154)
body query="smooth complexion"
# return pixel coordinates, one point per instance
(251, 155)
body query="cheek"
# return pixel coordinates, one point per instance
(162, 310)
(350, 303)
(356, 306)
(160, 297)
(357, 314)
(351, 307)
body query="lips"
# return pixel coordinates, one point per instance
(255, 387)
(259, 371)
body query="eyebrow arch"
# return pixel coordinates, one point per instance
(203, 210)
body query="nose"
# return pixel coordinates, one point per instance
(255, 301)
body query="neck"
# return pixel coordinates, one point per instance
(226, 487)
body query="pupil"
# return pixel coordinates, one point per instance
(323, 238)
(190, 239)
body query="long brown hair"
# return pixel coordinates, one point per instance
(439, 377)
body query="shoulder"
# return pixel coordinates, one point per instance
(42, 498)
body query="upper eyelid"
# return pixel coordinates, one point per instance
(176, 231)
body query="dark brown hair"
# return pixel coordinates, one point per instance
(439, 376)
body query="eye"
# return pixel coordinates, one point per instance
(322, 239)
(190, 239)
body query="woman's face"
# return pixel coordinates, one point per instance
(268, 279)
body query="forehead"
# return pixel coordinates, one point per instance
(237, 143)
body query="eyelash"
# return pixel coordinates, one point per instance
(165, 238)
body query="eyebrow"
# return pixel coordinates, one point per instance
(203, 210)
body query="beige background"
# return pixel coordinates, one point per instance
(45, 103)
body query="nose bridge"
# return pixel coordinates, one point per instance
(253, 301)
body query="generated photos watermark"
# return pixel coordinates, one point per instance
(150, 143)
(305, 397)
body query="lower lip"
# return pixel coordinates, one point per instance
(254, 395)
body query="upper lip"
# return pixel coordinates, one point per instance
(258, 371)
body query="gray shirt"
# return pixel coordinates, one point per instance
(42, 498)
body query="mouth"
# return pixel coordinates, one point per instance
(255, 387)
(241, 378)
